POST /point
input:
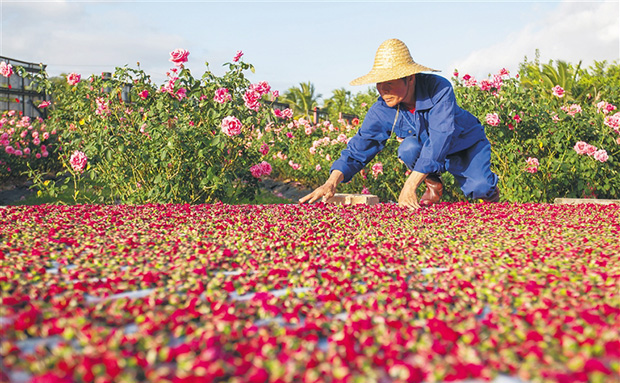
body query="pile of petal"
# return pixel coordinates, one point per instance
(319, 293)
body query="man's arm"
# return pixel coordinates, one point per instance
(325, 191)
(408, 197)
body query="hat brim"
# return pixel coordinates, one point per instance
(385, 74)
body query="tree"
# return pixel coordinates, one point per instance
(302, 99)
(339, 102)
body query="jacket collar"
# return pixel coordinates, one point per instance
(423, 99)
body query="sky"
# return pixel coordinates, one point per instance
(327, 43)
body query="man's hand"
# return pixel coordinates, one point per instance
(325, 191)
(408, 197)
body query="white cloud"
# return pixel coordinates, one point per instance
(70, 37)
(575, 31)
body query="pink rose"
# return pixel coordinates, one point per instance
(492, 119)
(181, 93)
(517, 118)
(222, 96)
(237, 56)
(590, 150)
(44, 104)
(532, 164)
(294, 165)
(287, 113)
(580, 147)
(252, 99)
(144, 94)
(485, 85)
(262, 169)
(231, 126)
(179, 56)
(613, 121)
(6, 69)
(558, 91)
(377, 169)
(78, 161)
(601, 155)
(262, 87)
(264, 149)
(73, 78)
(317, 167)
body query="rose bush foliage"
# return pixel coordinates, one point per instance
(182, 141)
(526, 125)
(202, 140)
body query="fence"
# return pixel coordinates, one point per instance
(16, 93)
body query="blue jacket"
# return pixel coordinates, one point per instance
(442, 128)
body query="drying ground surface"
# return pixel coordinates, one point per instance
(320, 293)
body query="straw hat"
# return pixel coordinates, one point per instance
(392, 61)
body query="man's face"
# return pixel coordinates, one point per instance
(396, 91)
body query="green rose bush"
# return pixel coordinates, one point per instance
(123, 139)
(545, 145)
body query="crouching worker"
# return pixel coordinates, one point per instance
(436, 135)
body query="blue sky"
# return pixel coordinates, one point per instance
(326, 43)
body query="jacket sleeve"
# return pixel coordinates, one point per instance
(442, 129)
(369, 140)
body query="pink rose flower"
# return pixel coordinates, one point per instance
(365, 190)
(6, 69)
(264, 149)
(237, 56)
(532, 163)
(222, 96)
(44, 104)
(517, 118)
(580, 147)
(144, 94)
(590, 150)
(231, 126)
(485, 85)
(262, 169)
(181, 94)
(73, 78)
(103, 107)
(78, 161)
(262, 87)
(377, 169)
(317, 167)
(252, 99)
(294, 165)
(492, 119)
(179, 56)
(613, 122)
(558, 91)
(601, 155)
(571, 110)
(287, 113)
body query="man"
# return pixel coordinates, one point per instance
(437, 135)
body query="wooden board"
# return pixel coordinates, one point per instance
(574, 201)
(353, 199)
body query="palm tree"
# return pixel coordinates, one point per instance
(339, 102)
(301, 99)
(547, 75)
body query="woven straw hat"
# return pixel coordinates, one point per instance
(392, 61)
